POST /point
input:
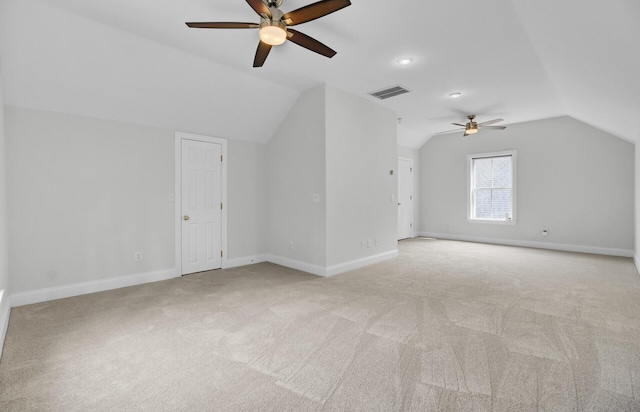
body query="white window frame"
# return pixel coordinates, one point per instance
(514, 168)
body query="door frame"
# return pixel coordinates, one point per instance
(410, 160)
(179, 137)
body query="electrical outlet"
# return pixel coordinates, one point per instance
(544, 232)
(369, 243)
(137, 256)
(291, 245)
(363, 244)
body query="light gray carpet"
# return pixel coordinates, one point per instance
(447, 326)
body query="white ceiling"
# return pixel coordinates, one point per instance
(136, 61)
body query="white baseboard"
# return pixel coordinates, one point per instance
(76, 289)
(358, 263)
(532, 244)
(334, 269)
(296, 264)
(246, 260)
(5, 311)
(66, 291)
(636, 259)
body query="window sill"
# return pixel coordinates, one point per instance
(491, 221)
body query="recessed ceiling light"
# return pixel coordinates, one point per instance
(405, 61)
(455, 95)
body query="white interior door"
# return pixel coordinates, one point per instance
(201, 206)
(405, 198)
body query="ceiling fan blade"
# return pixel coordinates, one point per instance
(223, 25)
(310, 43)
(261, 54)
(259, 7)
(492, 127)
(448, 131)
(487, 123)
(313, 11)
(458, 124)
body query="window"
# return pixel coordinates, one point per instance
(492, 187)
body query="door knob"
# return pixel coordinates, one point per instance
(185, 217)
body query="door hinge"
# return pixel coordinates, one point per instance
(220, 205)
(411, 169)
(411, 225)
(221, 158)
(411, 197)
(221, 254)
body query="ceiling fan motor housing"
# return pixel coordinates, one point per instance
(276, 14)
(472, 126)
(273, 3)
(271, 22)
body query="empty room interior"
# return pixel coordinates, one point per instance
(333, 205)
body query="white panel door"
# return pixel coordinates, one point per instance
(201, 206)
(405, 198)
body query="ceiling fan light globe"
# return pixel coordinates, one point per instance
(471, 131)
(273, 35)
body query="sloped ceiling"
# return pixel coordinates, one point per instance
(136, 61)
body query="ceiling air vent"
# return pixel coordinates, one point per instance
(389, 92)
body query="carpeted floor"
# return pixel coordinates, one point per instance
(447, 326)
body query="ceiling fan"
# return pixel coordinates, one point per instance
(274, 25)
(472, 127)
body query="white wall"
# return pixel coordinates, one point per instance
(637, 206)
(360, 150)
(415, 155)
(573, 180)
(247, 196)
(4, 258)
(85, 195)
(340, 147)
(296, 171)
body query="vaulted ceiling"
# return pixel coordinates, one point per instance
(137, 62)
